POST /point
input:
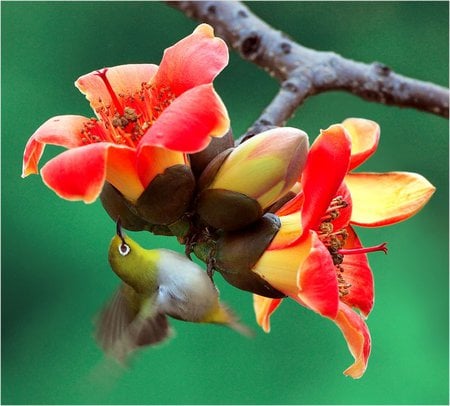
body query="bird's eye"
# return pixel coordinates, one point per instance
(124, 249)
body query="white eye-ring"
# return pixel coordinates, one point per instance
(124, 249)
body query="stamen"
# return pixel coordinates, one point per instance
(364, 250)
(102, 74)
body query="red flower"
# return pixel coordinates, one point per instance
(316, 257)
(148, 118)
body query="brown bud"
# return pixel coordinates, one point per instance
(200, 160)
(168, 196)
(117, 206)
(236, 254)
(227, 210)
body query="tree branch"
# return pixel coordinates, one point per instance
(303, 71)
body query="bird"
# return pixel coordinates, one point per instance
(156, 284)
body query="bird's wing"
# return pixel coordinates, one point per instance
(128, 322)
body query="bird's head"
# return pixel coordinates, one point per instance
(133, 264)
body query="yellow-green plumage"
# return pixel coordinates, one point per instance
(156, 284)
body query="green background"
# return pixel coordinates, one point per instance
(55, 275)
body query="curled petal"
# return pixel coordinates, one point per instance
(187, 124)
(316, 280)
(123, 80)
(64, 131)
(358, 274)
(264, 307)
(193, 61)
(358, 339)
(79, 173)
(365, 135)
(324, 172)
(381, 199)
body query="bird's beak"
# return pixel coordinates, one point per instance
(119, 230)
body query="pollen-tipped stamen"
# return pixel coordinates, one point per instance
(364, 250)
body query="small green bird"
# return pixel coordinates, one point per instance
(157, 283)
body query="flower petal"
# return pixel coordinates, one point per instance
(155, 160)
(324, 172)
(358, 339)
(357, 272)
(193, 61)
(316, 280)
(289, 232)
(381, 199)
(79, 173)
(123, 79)
(187, 124)
(264, 307)
(365, 135)
(293, 205)
(64, 131)
(303, 271)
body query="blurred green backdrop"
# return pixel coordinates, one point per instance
(55, 275)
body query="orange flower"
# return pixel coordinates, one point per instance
(316, 257)
(148, 118)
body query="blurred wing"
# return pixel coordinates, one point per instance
(128, 322)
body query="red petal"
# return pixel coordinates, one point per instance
(357, 272)
(365, 135)
(358, 339)
(264, 307)
(64, 131)
(187, 124)
(79, 173)
(124, 80)
(193, 61)
(316, 280)
(381, 199)
(324, 172)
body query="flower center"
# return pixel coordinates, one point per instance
(126, 117)
(336, 240)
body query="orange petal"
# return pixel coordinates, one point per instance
(155, 160)
(293, 205)
(193, 61)
(381, 199)
(187, 124)
(264, 307)
(79, 173)
(358, 339)
(316, 280)
(303, 271)
(365, 135)
(64, 131)
(357, 272)
(326, 166)
(124, 80)
(289, 232)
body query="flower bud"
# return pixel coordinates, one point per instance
(168, 196)
(236, 253)
(251, 178)
(117, 206)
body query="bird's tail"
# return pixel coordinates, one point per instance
(225, 316)
(121, 330)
